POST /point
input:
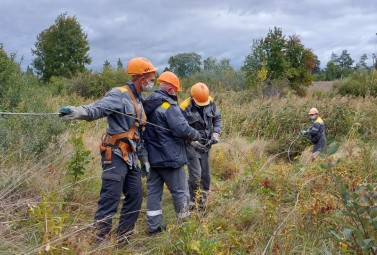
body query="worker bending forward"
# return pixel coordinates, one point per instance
(316, 132)
(202, 114)
(164, 137)
(120, 148)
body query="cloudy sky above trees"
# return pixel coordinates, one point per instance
(221, 29)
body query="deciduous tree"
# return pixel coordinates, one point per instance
(185, 64)
(277, 58)
(62, 49)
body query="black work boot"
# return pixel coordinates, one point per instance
(160, 229)
(103, 229)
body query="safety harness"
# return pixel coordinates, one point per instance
(120, 140)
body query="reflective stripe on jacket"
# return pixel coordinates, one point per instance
(165, 146)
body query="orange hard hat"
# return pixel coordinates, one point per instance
(313, 111)
(170, 78)
(200, 94)
(139, 66)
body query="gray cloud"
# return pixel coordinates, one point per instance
(160, 29)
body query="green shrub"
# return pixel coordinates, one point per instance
(48, 218)
(95, 85)
(31, 134)
(361, 83)
(11, 80)
(359, 233)
(78, 162)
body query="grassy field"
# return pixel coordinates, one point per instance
(260, 202)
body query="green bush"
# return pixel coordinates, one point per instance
(21, 93)
(95, 85)
(361, 83)
(11, 80)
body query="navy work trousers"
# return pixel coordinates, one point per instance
(117, 178)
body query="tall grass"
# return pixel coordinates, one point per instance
(259, 202)
(281, 119)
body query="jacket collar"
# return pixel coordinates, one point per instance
(132, 86)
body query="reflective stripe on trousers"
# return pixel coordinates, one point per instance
(154, 213)
(175, 179)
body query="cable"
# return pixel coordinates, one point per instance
(30, 113)
(131, 116)
(243, 154)
(289, 148)
(57, 113)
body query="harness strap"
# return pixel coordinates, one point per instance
(108, 142)
(108, 153)
(117, 140)
(143, 115)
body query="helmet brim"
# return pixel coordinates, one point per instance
(153, 70)
(202, 103)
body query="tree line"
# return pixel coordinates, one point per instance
(62, 50)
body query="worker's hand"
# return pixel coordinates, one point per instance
(72, 112)
(302, 133)
(146, 169)
(145, 166)
(198, 146)
(215, 138)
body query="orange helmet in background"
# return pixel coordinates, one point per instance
(200, 94)
(170, 78)
(140, 66)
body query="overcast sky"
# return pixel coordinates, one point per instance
(222, 29)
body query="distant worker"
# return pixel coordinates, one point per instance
(120, 148)
(202, 114)
(165, 136)
(316, 132)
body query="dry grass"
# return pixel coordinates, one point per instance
(259, 202)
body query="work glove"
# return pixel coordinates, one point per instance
(69, 113)
(198, 146)
(302, 133)
(215, 138)
(145, 166)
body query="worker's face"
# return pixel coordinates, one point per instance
(147, 81)
(313, 116)
(171, 91)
